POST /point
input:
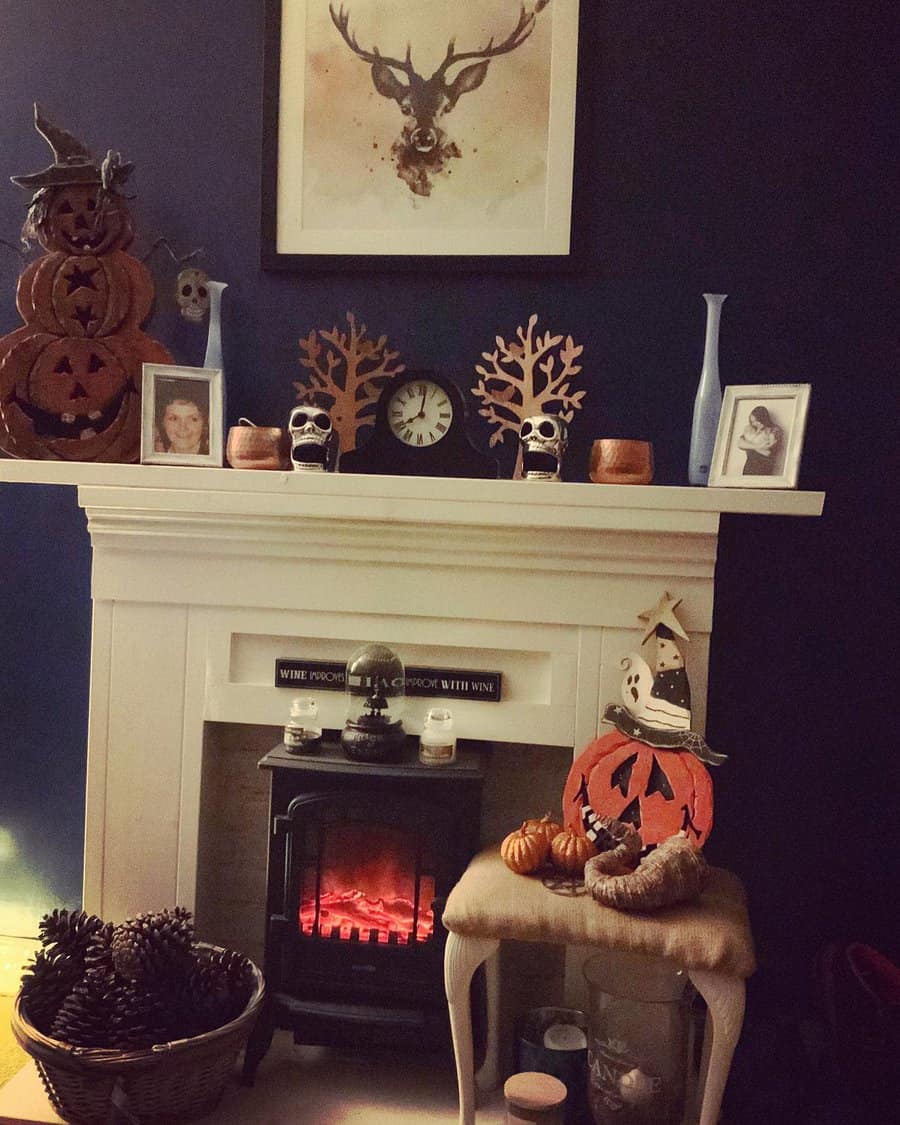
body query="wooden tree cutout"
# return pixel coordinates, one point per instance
(349, 371)
(523, 380)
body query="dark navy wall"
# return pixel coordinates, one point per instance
(739, 148)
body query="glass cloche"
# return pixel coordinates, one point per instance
(375, 690)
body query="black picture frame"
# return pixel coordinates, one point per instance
(566, 259)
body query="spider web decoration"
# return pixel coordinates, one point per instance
(521, 378)
(348, 370)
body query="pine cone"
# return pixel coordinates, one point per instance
(85, 1018)
(66, 937)
(143, 1018)
(69, 931)
(219, 987)
(46, 982)
(155, 946)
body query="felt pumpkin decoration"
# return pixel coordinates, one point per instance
(523, 851)
(570, 851)
(544, 825)
(658, 792)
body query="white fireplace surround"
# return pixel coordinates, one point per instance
(201, 578)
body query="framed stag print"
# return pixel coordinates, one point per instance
(398, 131)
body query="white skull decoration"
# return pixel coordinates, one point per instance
(310, 429)
(192, 294)
(544, 439)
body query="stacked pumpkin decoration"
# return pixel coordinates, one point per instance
(542, 841)
(70, 378)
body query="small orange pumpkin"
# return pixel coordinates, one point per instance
(546, 826)
(524, 851)
(570, 851)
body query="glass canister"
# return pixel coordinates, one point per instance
(637, 1039)
(375, 687)
(554, 1041)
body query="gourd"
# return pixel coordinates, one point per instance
(523, 851)
(570, 851)
(545, 826)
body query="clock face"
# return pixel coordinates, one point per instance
(419, 413)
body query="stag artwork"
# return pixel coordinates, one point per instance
(423, 148)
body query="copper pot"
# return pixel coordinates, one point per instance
(621, 461)
(256, 447)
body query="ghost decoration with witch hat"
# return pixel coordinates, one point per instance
(651, 771)
(70, 378)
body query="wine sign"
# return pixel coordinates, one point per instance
(448, 683)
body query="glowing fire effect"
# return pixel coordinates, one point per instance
(368, 889)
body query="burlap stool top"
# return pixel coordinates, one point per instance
(709, 938)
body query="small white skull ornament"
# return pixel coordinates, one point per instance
(310, 429)
(544, 438)
(192, 294)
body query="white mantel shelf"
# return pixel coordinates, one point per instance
(410, 499)
(202, 578)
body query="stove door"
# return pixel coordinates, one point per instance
(365, 880)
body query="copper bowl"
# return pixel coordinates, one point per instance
(621, 461)
(256, 447)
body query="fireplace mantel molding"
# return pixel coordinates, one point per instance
(202, 577)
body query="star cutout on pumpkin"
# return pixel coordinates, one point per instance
(663, 613)
(81, 278)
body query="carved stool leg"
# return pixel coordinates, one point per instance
(725, 998)
(488, 1076)
(462, 956)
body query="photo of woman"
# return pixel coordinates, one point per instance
(760, 436)
(760, 440)
(182, 417)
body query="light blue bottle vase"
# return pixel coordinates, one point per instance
(708, 400)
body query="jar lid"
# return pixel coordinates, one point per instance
(534, 1091)
(304, 706)
(439, 718)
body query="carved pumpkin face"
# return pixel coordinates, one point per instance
(75, 378)
(84, 219)
(71, 398)
(658, 792)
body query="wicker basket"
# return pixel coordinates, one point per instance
(171, 1082)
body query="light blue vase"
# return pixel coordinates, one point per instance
(708, 400)
(213, 357)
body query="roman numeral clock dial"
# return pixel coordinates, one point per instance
(420, 413)
(420, 430)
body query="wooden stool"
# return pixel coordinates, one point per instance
(710, 939)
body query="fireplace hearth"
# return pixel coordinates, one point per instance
(361, 859)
